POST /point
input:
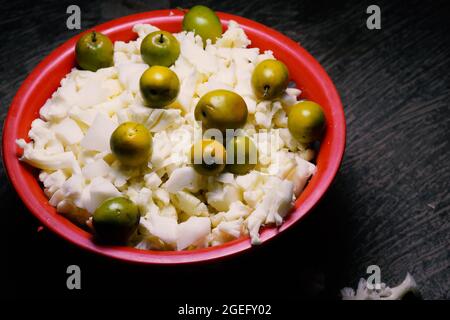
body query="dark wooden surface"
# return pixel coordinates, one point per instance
(388, 206)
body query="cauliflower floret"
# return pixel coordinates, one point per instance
(191, 48)
(234, 37)
(96, 192)
(72, 189)
(164, 228)
(161, 119)
(221, 196)
(300, 176)
(40, 134)
(193, 231)
(363, 292)
(52, 182)
(129, 75)
(265, 111)
(96, 168)
(96, 87)
(144, 29)
(152, 181)
(68, 131)
(184, 178)
(98, 136)
(48, 161)
(272, 208)
(225, 231)
(237, 211)
(188, 203)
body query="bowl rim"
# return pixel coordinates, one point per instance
(71, 232)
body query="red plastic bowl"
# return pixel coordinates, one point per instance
(45, 78)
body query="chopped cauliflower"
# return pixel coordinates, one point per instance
(180, 209)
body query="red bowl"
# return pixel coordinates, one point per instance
(45, 78)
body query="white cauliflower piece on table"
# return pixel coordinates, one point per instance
(193, 231)
(363, 292)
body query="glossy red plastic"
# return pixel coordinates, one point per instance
(309, 76)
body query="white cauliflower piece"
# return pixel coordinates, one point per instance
(273, 207)
(193, 231)
(152, 180)
(96, 192)
(234, 37)
(162, 227)
(383, 293)
(98, 136)
(161, 119)
(129, 75)
(185, 178)
(237, 211)
(97, 168)
(188, 203)
(68, 131)
(72, 189)
(52, 182)
(225, 231)
(301, 174)
(144, 29)
(221, 196)
(191, 49)
(48, 161)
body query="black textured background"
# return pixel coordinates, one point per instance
(388, 206)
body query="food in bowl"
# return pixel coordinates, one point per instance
(181, 204)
